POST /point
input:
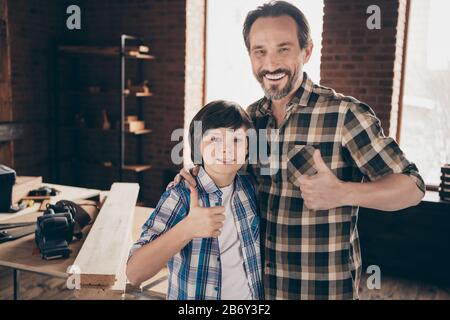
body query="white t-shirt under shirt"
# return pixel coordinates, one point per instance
(234, 278)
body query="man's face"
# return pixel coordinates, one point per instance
(277, 60)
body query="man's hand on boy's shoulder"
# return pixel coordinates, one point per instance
(203, 222)
(186, 175)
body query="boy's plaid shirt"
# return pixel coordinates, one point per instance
(315, 254)
(195, 272)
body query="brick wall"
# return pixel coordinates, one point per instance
(32, 27)
(163, 25)
(355, 61)
(6, 147)
(365, 63)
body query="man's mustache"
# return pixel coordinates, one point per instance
(262, 73)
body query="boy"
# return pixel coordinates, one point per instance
(209, 235)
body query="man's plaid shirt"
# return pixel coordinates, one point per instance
(195, 272)
(315, 254)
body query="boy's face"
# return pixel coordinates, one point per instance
(224, 150)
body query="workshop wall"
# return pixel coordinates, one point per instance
(355, 61)
(32, 27)
(35, 29)
(365, 63)
(163, 25)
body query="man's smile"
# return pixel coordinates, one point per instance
(275, 77)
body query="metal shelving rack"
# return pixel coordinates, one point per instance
(122, 54)
(123, 60)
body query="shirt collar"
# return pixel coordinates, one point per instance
(300, 98)
(207, 185)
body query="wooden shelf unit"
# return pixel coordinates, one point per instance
(102, 51)
(123, 53)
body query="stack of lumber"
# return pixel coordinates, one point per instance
(102, 259)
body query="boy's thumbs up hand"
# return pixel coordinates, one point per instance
(203, 222)
(194, 197)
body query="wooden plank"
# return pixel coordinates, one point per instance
(137, 168)
(116, 291)
(121, 286)
(23, 185)
(101, 256)
(92, 50)
(107, 51)
(36, 198)
(145, 131)
(9, 216)
(67, 193)
(23, 253)
(72, 193)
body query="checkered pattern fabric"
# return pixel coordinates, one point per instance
(316, 254)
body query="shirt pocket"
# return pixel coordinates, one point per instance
(300, 162)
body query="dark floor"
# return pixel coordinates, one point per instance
(392, 288)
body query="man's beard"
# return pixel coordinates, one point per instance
(273, 93)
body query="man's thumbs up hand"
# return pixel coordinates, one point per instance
(203, 222)
(319, 164)
(323, 190)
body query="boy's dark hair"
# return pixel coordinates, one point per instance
(216, 114)
(277, 9)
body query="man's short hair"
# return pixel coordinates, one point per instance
(216, 114)
(277, 9)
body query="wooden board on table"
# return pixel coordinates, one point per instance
(37, 198)
(72, 193)
(23, 185)
(121, 285)
(101, 257)
(23, 253)
(67, 193)
(10, 215)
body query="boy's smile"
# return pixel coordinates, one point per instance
(224, 152)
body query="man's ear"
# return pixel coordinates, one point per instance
(307, 52)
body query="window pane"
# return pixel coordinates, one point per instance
(425, 130)
(228, 71)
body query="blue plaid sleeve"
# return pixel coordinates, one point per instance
(171, 208)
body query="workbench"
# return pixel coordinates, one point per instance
(23, 255)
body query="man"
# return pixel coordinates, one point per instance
(330, 157)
